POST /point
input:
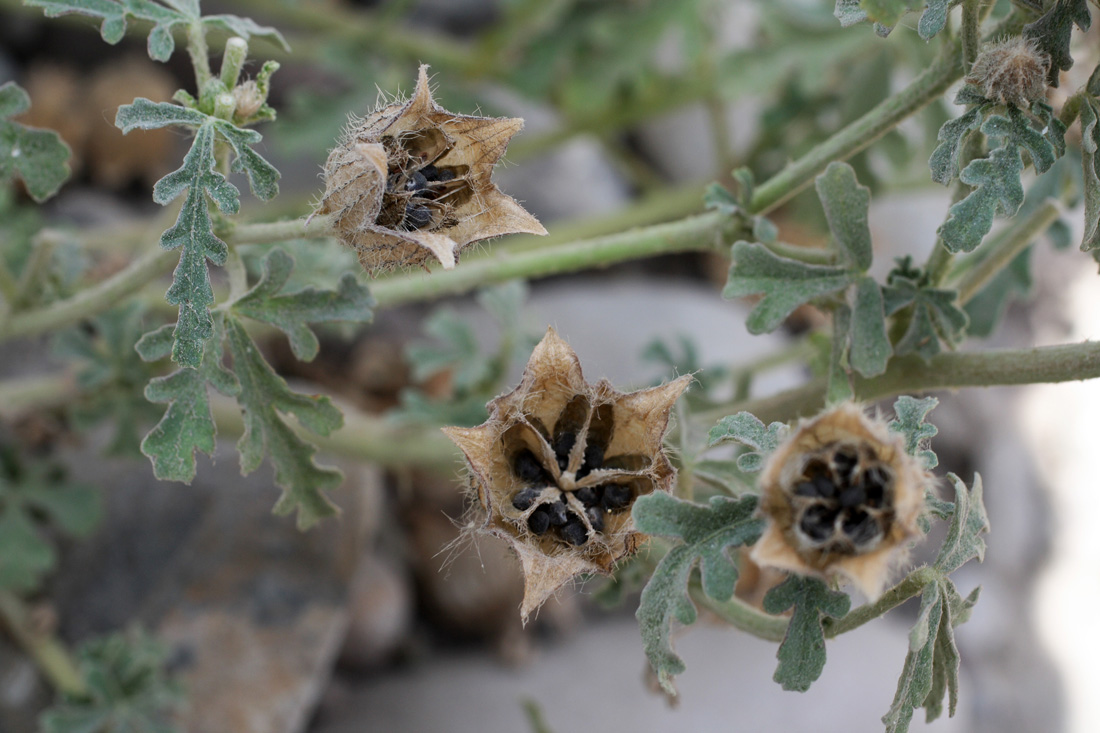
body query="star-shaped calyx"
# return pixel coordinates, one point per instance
(412, 182)
(559, 464)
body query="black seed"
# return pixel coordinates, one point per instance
(593, 459)
(556, 512)
(416, 182)
(595, 517)
(852, 496)
(616, 496)
(875, 480)
(563, 444)
(817, 522)
(816, 467)
(430, 172)
(589, 495)
(860, 526)
(524, 499)
(417, 216)
(806, 488)
(845, 461)
(539, 521)
(825, 487)
(529, 470)
(445, 175)
(574, 531)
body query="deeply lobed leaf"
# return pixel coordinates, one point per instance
(846, 203)
(38, 157)
(997, 189)
(801, 654)
(706, 531)
(1051, 33)
(1090, 160)
(292, 313)
(263, 396)
(786, 284)
(746, 429)
(935, 316)
(909, 420)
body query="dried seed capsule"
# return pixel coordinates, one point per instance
(514, 441)
(616, 496)
(524, 499)
(539, 521)
(876, 499)
(574, 531)
(370, 215)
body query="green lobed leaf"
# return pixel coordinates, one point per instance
(870, 348)
(38, 157)
(786, 284)
(706, 531)
(454, 347)
(187, 425)
(934, 18)
(915, 683)
(128, 689)
(801, 654)
(944, 162)
(909, 420)
(1090, 157)
(849, 12)
(969, 522)
(1016, 130)
(293, 312)
(746, 429)
(997, 189)
(263, 395)
(845, 203)
(1051, 33)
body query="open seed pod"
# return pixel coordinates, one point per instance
(412, 182)
(842, 497)
(559, 464)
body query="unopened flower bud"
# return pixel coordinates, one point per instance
(1011, 71)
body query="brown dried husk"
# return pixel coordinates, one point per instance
(781, 547)
(401, 138)
(553, 389)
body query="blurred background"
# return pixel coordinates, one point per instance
(387, 620)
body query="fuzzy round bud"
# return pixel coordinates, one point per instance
(248, 99)
(842, 497)
(1011, 71)
(559, 464)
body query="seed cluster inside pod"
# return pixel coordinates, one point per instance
(559, 463)
(843, 499)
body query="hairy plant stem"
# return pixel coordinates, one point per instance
(980, 268)
(912, 375)
(911, 585)
(741, 615)
(47, 651)
(199, 53)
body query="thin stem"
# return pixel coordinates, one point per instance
(48, 652)
(971, 38)
(199, 53)
(9, 286)
(1003, 250)
(859, 134)
(238, 275)
(37, 265)
(951, 370)
(236, 51)
(39, 392)
(912, 585)
(698, 233)
(93, 300)
(1072, 108)
(365, 437)
(741, 615)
